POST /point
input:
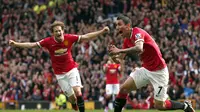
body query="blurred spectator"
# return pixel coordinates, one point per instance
(37, 95)
(60, 100)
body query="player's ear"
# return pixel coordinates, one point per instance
(128, 25)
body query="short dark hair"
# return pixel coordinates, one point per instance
(57, 23)
(124, 18)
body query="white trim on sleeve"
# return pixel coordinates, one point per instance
(131, 33)
(139, 40)
(79, 38)
(38, 44)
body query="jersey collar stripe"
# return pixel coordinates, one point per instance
(131, 33)
(79, 38)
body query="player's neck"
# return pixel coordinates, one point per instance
(58, 40)
(129, 33)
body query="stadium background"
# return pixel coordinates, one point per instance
(26, 74)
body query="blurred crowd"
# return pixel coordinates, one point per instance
(26, 74)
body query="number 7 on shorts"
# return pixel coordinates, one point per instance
(160, 88)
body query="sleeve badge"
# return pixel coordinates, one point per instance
(138, 36)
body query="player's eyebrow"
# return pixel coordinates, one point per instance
(56, 30)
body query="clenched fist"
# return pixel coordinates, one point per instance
(106, 29)
(12, 42)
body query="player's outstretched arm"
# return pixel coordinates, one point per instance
(138, 48)
(93, 35)
(23, 45)
(118, 58)
(122, 67)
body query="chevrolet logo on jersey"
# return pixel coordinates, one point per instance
(112, 71)
(60, 52)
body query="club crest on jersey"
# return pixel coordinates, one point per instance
(66, 43)
(138, 36)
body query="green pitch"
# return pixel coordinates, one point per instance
(85, 111)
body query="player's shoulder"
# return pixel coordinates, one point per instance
(138, 32)
(136, 28)
(47, 39)
(66, 35)
(69, 35)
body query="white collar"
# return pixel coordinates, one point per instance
(131, 32)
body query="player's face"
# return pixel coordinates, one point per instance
(121, 28)
(58, 33)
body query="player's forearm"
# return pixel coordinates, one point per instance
(122, 69)
(118, 58)
(25, 45)
(92, 35)
(135, 49)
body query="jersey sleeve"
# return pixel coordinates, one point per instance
(104, 67)
(73, 38)
(138, 35)
(43, 43)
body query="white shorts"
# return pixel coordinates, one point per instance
(112, 89)
(159, 79)
(68, 80)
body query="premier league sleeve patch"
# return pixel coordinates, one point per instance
(138, 36)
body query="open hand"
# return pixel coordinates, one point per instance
(113, 50)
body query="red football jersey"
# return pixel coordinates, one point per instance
(112, 73)
(60, 52)
(151, 56)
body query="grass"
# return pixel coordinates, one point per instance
(85, 111)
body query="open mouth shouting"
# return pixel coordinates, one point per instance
(119, 32)
(58, 37)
